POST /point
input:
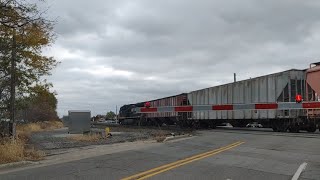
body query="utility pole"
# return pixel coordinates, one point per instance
(12, 127)
(116, 113)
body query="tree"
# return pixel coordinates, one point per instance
(110, 115)
(40, 105)
(24, 32)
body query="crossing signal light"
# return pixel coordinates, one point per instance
(147, 104)
(298, 98)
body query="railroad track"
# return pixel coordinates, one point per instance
(136, 127)
(257, 131)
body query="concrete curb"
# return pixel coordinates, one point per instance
(170, 138)
(15, 164)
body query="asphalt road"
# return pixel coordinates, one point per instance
(263, 156)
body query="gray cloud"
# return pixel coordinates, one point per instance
(121, 52)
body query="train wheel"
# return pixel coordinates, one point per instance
(274, 128)
(294, 129)
(211, 125)
(183, 124)
(273, 125)
(312, 128)
(196, 125)
(282, 127)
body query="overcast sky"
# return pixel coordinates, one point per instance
(115, 52)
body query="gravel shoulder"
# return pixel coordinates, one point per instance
(57, 141)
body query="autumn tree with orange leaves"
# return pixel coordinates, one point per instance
(24, 32)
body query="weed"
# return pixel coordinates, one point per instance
(86, 137)
(15, 150)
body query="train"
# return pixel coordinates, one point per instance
(273, 88)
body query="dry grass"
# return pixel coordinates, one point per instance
(51, 125)
(11, 151)
(24, 130)
(16, 150)
(32, 154)
(86, 137)
(39, 126)
(160, 136)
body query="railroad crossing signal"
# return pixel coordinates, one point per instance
(230, 107)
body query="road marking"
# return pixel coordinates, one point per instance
(158, 170)
(177, 162)
(299, 171)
